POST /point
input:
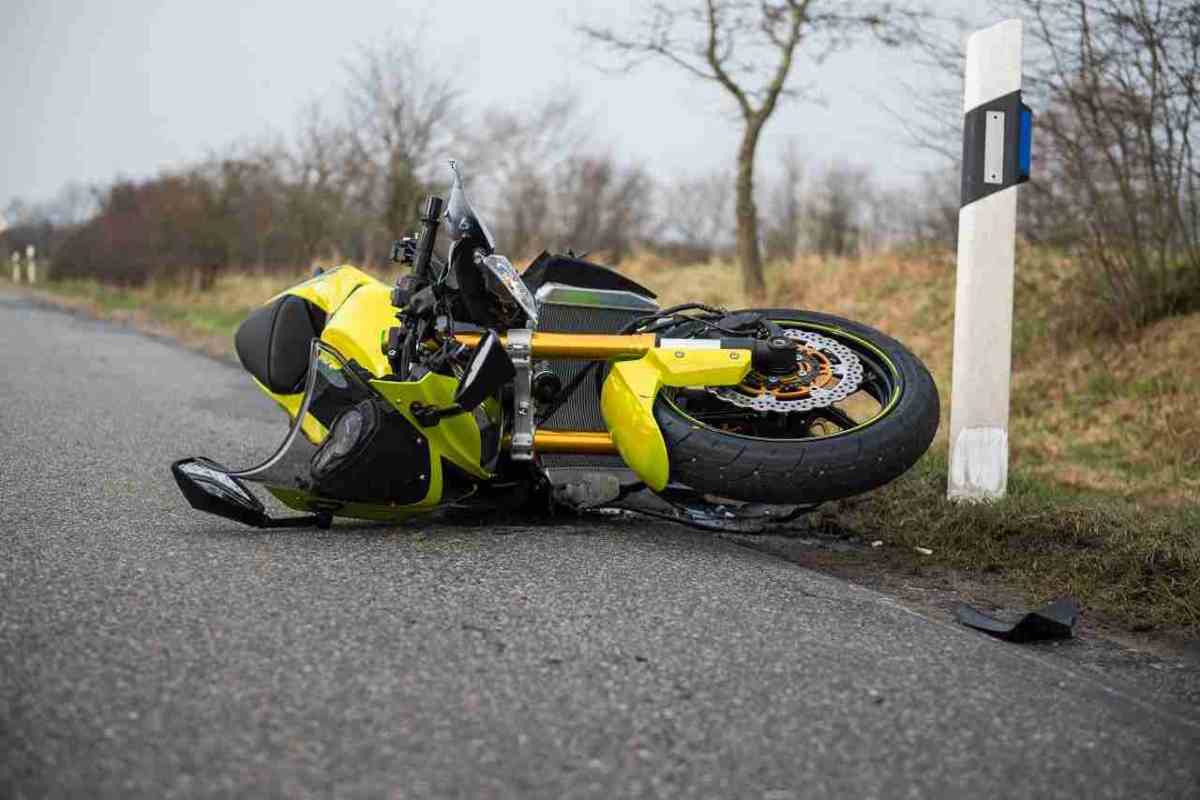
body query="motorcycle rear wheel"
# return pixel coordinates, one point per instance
(799, 457)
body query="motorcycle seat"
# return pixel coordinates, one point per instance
(273, 343)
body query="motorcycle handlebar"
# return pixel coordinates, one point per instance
(431, 216)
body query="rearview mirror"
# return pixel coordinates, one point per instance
(489, 369)
(208, 487)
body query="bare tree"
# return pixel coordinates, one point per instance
(399, 115)
(837, 206)
(317, 189)
(513, 156)
(1120, 80)
(694, 220)
(784, 216)
(72, 205)
(927, 212)
(600, 205)
(748, 48)
(626, 223)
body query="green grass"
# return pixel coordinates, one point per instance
(197, 315)
(106, 298)
(1136, 567)
(213, 320)
(1102, 386)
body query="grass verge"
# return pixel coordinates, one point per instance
(1136, 567)
(202, 320)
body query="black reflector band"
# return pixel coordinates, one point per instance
(996, 146)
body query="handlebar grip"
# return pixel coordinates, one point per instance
(431, 215)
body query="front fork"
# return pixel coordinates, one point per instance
(519, 345)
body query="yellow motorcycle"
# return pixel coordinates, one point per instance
(468, 383)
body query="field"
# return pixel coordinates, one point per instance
(1105, 475)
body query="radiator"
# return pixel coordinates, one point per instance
(562, 310)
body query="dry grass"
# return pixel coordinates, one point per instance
(1133, 566)
(203, 320)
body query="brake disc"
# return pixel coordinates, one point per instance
(842, 370)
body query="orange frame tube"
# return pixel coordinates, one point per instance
(584, 442)
(584, 346)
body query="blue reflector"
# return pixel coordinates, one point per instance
(1025, 143)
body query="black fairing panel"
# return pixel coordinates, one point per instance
(385, 459)
(577, 272)
(273, 342)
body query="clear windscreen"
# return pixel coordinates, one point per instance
(463, 221)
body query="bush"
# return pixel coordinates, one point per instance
(1118, 168)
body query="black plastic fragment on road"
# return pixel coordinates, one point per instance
(1055, 620)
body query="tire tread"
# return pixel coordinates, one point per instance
(809, 470)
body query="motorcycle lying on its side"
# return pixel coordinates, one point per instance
(468, 383)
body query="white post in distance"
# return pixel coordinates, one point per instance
(16, 267)
(31, 263)
(997, 130)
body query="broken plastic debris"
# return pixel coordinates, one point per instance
(925, 551)
(877, 543)
(1055, 620)
(694, 510)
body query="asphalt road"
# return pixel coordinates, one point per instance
(150, 651)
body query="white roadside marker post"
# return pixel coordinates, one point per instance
(31, 263)
(16, 267)
(997, 130)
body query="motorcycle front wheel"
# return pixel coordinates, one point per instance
(859, 412)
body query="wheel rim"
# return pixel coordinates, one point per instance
(882, 385)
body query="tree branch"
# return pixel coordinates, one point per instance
(718, 66)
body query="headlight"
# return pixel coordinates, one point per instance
(347, 430)
(511, 280)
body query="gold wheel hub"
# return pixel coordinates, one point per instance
(826, 372)
(813, 369)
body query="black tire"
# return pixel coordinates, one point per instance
(809, 470)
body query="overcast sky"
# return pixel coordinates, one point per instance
(92, 90)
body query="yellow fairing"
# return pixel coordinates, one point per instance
(455, 437)
(358, 328)
(303, 501)
(359, 313)
(331, 288)
(627, 401)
